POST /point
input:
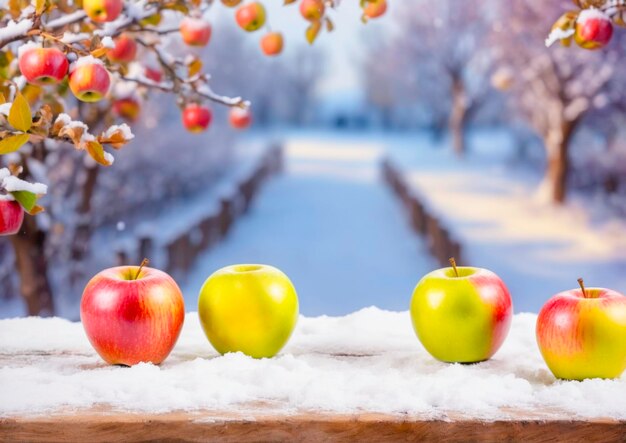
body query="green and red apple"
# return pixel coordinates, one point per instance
(11, 217)
(582, 333)
(124, 51)
(43, 66)
(248, 308)
(272, 43)
(461, 314)
(195, 31)
(103, 10)
(132, 314)
(250, 16)
(196, 118)
(312, 10)
(89, 81)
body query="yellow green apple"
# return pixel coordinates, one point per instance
(248, 308)
(582, 333)
(461, 314)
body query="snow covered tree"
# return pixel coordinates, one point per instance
(553, 89)
(69, 71)
(438, 56)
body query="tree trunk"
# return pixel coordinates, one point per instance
(458, 116)
(30, 258)
(558, 165)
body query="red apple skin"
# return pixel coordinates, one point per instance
(584, 337)
(272, 43)
(375, 8)
(11, 217)
(196, 118)
(130, 321)
(251, 16)
(195, 32)
(312, 10)
(102, 11)
(90, 82)
(127, 108)
(240, 118)
(43, 66)
(153, 74)
(124, 51)
(594, 30)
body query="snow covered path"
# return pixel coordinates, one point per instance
(332, 226)
(329, 223)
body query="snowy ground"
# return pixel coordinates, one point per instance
(330, 223)
(369, 361)
(493, 209)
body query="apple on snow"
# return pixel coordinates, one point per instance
(582, 333)
(248, 308)
(461, 314)
(132, 314)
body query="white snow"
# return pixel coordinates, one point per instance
(108, 42)
(83, 61)
(368, 361)
(123, 128)
(27, 46)
(493, 210)
(558, 34)
(5, 108)
(14, 29)
(11, 183)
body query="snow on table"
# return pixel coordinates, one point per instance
(366, 362)
(493, 210)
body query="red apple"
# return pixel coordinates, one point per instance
(103, 10)
(582, 333)
(594, 29)
(43, 66)
(375, 8)
(132, 314)
(312, 10)
(124, 51)
(11, 217)
(251, 16)
(195, 32)
(127, 108)
(272, 43)
(240, 118)
(153, 74)
(89, 80)
(196, 118)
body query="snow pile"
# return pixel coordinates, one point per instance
(367, 361)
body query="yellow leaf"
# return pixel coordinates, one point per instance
(99, 52)
(96, 151)
(288, 2)
(312, 31)
(19, 115)
(2, 99)
(40, 6)
(12, 143)
(194, 67)
(330, 27)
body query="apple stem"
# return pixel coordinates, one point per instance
(144, 262)
(582, 286)
(453, 263)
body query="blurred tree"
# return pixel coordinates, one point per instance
(553, 89)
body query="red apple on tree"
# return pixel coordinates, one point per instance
(251, 16)
(594, 29)
(43, 66)
(124, 51)
(582, 333)
(89, 80)
(461, 314)
(374, 8)
(312, 10)
(128, 108)
(272, 43)
(195, 31)
(153, 74)
(132, 314)
(196, 118)
(103, 10)
(240, 118)
(11, 217)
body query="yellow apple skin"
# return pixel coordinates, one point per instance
(248, 308)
